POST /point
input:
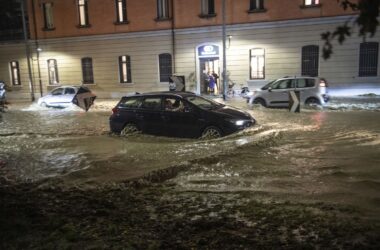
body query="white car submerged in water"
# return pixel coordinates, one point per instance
(313, 91)
(65, 96)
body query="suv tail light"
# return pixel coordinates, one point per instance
(322, 83)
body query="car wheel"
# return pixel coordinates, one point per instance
(211, 133)
(259, 101)
(130, 128)
(312, 102)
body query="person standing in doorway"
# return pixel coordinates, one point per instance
(211, 84)
(216, 77)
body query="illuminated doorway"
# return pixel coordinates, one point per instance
(208, 63)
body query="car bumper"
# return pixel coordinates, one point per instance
(230, 127)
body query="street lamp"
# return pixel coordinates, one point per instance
(27, 50)
(224, 50)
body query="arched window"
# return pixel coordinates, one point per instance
(87, 72)
(310, 60)
(368, 61)
(165, 65)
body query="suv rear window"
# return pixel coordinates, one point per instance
(132, 102)
(305, 82)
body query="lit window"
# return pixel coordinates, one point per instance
(310, 60)
(311, 2)
(256, 5)
(121, 11)
(53, 71)
(125, 69)
(163, 9)
(87, 72)
(165, 65)
(368, 61)
(207, 7)
(15, 73)
(257, 68)
(48, 15)
(83, 12)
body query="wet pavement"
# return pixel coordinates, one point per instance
(314, 176)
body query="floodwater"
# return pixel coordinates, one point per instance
(330, 155)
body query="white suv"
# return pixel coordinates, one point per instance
(313, 91)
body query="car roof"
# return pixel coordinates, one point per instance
(296, 77)
(164, 93)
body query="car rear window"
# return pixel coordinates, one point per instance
(132, 102)
(305, 82)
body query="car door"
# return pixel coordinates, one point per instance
(68, 96)
(149, 116)
(306, 87)
(55, 97)
(279, 93)
(179, 118)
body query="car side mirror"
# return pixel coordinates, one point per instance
(270, 89)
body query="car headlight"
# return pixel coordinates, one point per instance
(237, 122)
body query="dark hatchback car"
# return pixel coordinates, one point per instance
(180, 114)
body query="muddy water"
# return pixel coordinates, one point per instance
(318, 155)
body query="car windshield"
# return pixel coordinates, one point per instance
(203, 103)
(266, 86)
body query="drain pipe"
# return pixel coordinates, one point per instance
(27, 51)
(37, 47)
(173, 36)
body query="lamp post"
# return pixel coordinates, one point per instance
(38, 49)
(27, 51)
(224, 73)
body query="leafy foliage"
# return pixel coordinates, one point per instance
(366, 21)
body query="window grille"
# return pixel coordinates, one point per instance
(87, 71)
(368, 61)
(310, 60)
(165, 65)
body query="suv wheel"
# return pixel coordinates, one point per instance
(260, 101)
(312, 102)
(211, 133)
(130, 128)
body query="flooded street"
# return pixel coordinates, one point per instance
(308, 179)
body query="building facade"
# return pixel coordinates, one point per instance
(122, 46)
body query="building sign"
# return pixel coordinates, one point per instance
(208, 51)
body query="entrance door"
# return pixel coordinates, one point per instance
(209, 66)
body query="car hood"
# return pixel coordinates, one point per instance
(233, 113)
